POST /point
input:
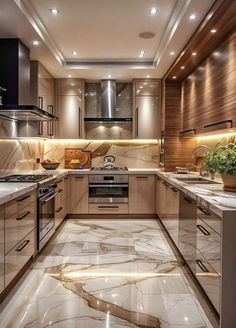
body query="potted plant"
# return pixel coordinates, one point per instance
(222, 159)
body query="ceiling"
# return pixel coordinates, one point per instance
(104, 33)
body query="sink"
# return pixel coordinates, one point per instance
(198, 180)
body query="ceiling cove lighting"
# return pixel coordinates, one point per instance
(192, 16)
(54, 11)
(153, 11)
(142, 52)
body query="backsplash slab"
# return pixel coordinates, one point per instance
(135, 154)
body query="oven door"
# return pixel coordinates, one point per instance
(108, 193)
(46, 216)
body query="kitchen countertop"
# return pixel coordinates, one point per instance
(12, 190)
(211, 196)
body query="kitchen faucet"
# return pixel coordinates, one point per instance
(194, 153)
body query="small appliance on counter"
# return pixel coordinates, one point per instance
(77, 158)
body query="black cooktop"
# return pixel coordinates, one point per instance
(25, 178)
(102, 168)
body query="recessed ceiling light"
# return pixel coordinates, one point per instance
(174, 77)
(142, 52)
(145, 83)
(172, 53)
(182, 67)
(109, 76)
(74, 53)
(194, 53)
(192, 16)
(148, 76)
(54, 11)
(35, 43)
(213, 30)
(69, 75)
(153, 11)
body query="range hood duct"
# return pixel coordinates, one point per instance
(15, 78)
(108, 105)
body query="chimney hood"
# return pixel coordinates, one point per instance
(108, 105)
(15, 78)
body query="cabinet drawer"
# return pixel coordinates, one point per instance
(209, 280)
(18, 257)
(209, 245)
(18, 204)
(19, 225)
(209, 218)
(108, 208)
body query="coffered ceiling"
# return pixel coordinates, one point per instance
(103, 33)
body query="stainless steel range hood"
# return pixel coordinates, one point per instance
(108, 105)
(15, 78)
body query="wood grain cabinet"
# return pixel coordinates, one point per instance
(142, 193)
(1, 248)
(70, 108)
(67, 194)
(79, 194)
(146, 109)
(59, 203)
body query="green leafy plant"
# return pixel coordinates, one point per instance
(221, 159)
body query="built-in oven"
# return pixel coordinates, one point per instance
(108, 188)
(46, 213)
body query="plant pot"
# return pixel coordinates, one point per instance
(229, 182)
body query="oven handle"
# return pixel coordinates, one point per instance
(108, 185)
(45, 200)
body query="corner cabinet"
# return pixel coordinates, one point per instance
(79, 194)
(146, 111)
(70, 108)
(142, 192)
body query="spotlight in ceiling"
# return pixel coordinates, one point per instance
(74, 53)
(142, 52)
(35, 43)
(153, 11)
(54, 11)
(192, 16)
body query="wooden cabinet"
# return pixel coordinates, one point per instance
(70, 108)
(1, 248)
(142, 194)
(19, 234)
(59, 203)
(79, 194)
(146, 114)
(67, 194)
(108, 208)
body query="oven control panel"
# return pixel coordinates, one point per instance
(108, 178)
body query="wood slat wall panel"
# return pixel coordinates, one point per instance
(209, 93)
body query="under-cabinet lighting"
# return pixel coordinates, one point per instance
(216, 135)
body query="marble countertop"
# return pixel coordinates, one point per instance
(11, 190)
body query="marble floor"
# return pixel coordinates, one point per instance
(105, 273)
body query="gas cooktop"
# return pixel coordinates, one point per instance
(25, 178)
(102, 168)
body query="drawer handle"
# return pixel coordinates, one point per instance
(23, 198)
(66, 178)
(158, 178)
(79, 178)
(23, 215)
(59, 181)
(60, 190)
(108, 206)
(202, 266)
(165, 184)
(142, 178)
(188, 200)
(174, 189)
(22, 245)
(203, 210)
(59, 209)
(203, 230)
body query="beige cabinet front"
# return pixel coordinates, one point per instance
(142, 194)
(79, 194)
(59, 203)
(67, 194)
(1, 249)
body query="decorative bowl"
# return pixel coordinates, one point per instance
(50, 166)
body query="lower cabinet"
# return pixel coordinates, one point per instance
(142, 191)
(79, 194)
(67, 194)
(1, 249)
(108, 208)
(19, 256)
(59, 203)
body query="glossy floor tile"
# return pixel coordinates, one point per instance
(105, 273)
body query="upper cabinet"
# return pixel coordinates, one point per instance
(146, 114)
(70, 108)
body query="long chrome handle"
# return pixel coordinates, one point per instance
(142, 177)
(21, 217)
(113, 206)
(137, 121)
(50, 124)
(108, 185)
(48, 199)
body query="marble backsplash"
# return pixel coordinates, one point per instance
(22, 154)
(135, 154)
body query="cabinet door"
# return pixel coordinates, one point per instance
(79, 194)
(146, 117)
(142, 194)
(59, 204)
(69, 111)
(67, 195)
(1, 249)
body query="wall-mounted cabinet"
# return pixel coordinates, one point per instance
(146, 112)
(70, 108)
